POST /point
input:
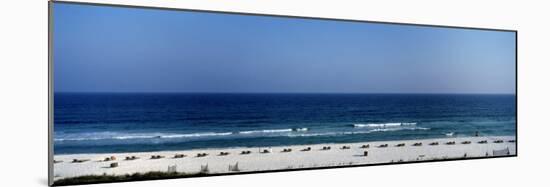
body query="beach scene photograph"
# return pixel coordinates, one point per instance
(143, 94)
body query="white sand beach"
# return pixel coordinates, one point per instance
(276, 159)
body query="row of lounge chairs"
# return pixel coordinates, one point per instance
(465, 142)
(415, 144)
(286, 150)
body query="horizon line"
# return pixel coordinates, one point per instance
(175, 92)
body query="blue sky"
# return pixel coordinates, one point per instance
(114, 49)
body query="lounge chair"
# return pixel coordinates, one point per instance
(434, 143)
(287, 150)
(417, 144)
(400, 145)
(80, 160)
(450, 143)
(345, 147)
(265, 151)
(365, 146)
(383, 146)
(202, 154)
(466, 142)
(306, 149)
(131, 158)
(498, 141)
(179, 156)
(325, 148)
(482, 142)
(223, 154)
(511, 141)
(156, 157)
(245, 152)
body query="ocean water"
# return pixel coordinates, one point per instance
(133, 122)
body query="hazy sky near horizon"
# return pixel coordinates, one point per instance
(114, 49)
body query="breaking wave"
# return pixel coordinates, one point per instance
(126, 136)
(357, 132)
(382, 125)
(289, 132)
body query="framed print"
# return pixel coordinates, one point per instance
(141, 93)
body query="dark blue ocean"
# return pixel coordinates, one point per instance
(131, 122)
